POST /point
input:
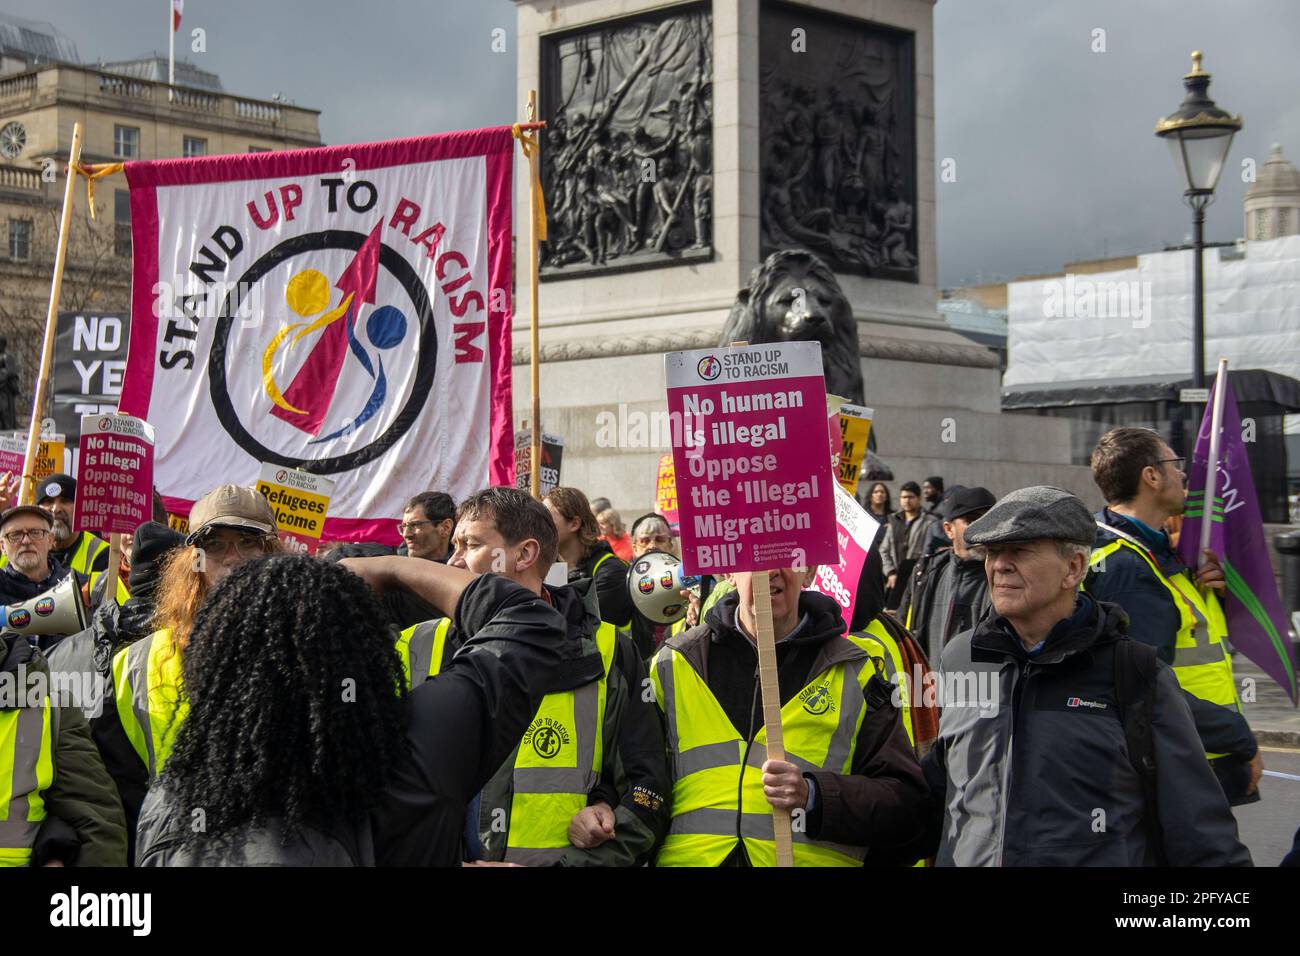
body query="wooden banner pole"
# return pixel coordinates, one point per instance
(1212, 466)
(28, 494)
(770, 689)
(535, 450)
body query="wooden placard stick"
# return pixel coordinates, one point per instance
(114, 560)
(770, 689)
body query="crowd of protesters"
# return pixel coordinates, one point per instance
(489, 693)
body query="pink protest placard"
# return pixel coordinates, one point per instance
(854, 530)
(13, 453)
(115, 484)
(753, 474)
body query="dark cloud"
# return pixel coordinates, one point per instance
(1056, 158)
(1055, 146)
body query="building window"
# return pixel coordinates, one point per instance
(1283, 225)
(194, 146)
(126, 142)
(122, 223)
(259, 149)
(20, 240)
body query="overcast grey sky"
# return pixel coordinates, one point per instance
(1055, 154)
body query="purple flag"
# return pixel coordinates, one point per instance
(1257, 625)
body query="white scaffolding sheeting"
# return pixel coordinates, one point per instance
(1135, 323)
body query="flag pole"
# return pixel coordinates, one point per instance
(171, 51)
(27, 495)
(1212, 466)
(535, 451)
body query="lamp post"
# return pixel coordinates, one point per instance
(1199, 135)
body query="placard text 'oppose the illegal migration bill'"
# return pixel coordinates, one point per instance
(753, 473)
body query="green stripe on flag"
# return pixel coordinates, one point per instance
(1239, 589)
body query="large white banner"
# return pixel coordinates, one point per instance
(344, 310)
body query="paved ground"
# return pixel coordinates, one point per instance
(1271, 715)
(1268, 827)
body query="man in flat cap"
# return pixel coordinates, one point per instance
(948, 592)
(1062, 742)
(26, 536)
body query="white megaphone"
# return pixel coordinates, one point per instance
(653, 581)
(57, 611)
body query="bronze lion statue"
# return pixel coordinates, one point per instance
(794, 297)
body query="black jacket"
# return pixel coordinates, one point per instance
(881, 801)
(635, 779)
(1031, 767)
(1129, 582)
(611, 583)
(945, 596)
(268, 845)
(465, 722)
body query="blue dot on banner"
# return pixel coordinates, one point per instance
(386, 327)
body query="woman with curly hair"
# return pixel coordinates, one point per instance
(228, 526)
(296, 721)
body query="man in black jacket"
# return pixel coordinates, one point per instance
(1135, 566)
(713, 668)
(625, 810)
(27, 535)
(948, 592)
(1034, 763)
(466, 722)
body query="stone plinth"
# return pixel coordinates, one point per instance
(604, 334)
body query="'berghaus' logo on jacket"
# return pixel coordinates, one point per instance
(1080, 702)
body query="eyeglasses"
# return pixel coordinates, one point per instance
(653, 539)
(405, 526)
(36, 534)
(246, 545)
(1165, 461)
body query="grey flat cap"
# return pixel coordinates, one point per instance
(1033, 513)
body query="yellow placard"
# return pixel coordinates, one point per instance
(49, 458)
(855, 429)
(666, 489)
(297, 512)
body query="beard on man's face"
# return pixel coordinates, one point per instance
(28, 561)
(61, 528)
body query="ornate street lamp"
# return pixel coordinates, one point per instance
(1199, 135)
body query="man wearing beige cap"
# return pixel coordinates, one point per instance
(1062, 741)
(229, 525)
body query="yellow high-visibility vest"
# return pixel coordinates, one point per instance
(882, 648)
(558, 761)
(150, 700)
(421, 647)
(718, 791)
(26, 772)
(1201, 662)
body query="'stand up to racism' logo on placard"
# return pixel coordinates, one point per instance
(320, 356)
(710, 368)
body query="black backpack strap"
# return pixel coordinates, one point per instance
(1135, 695)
